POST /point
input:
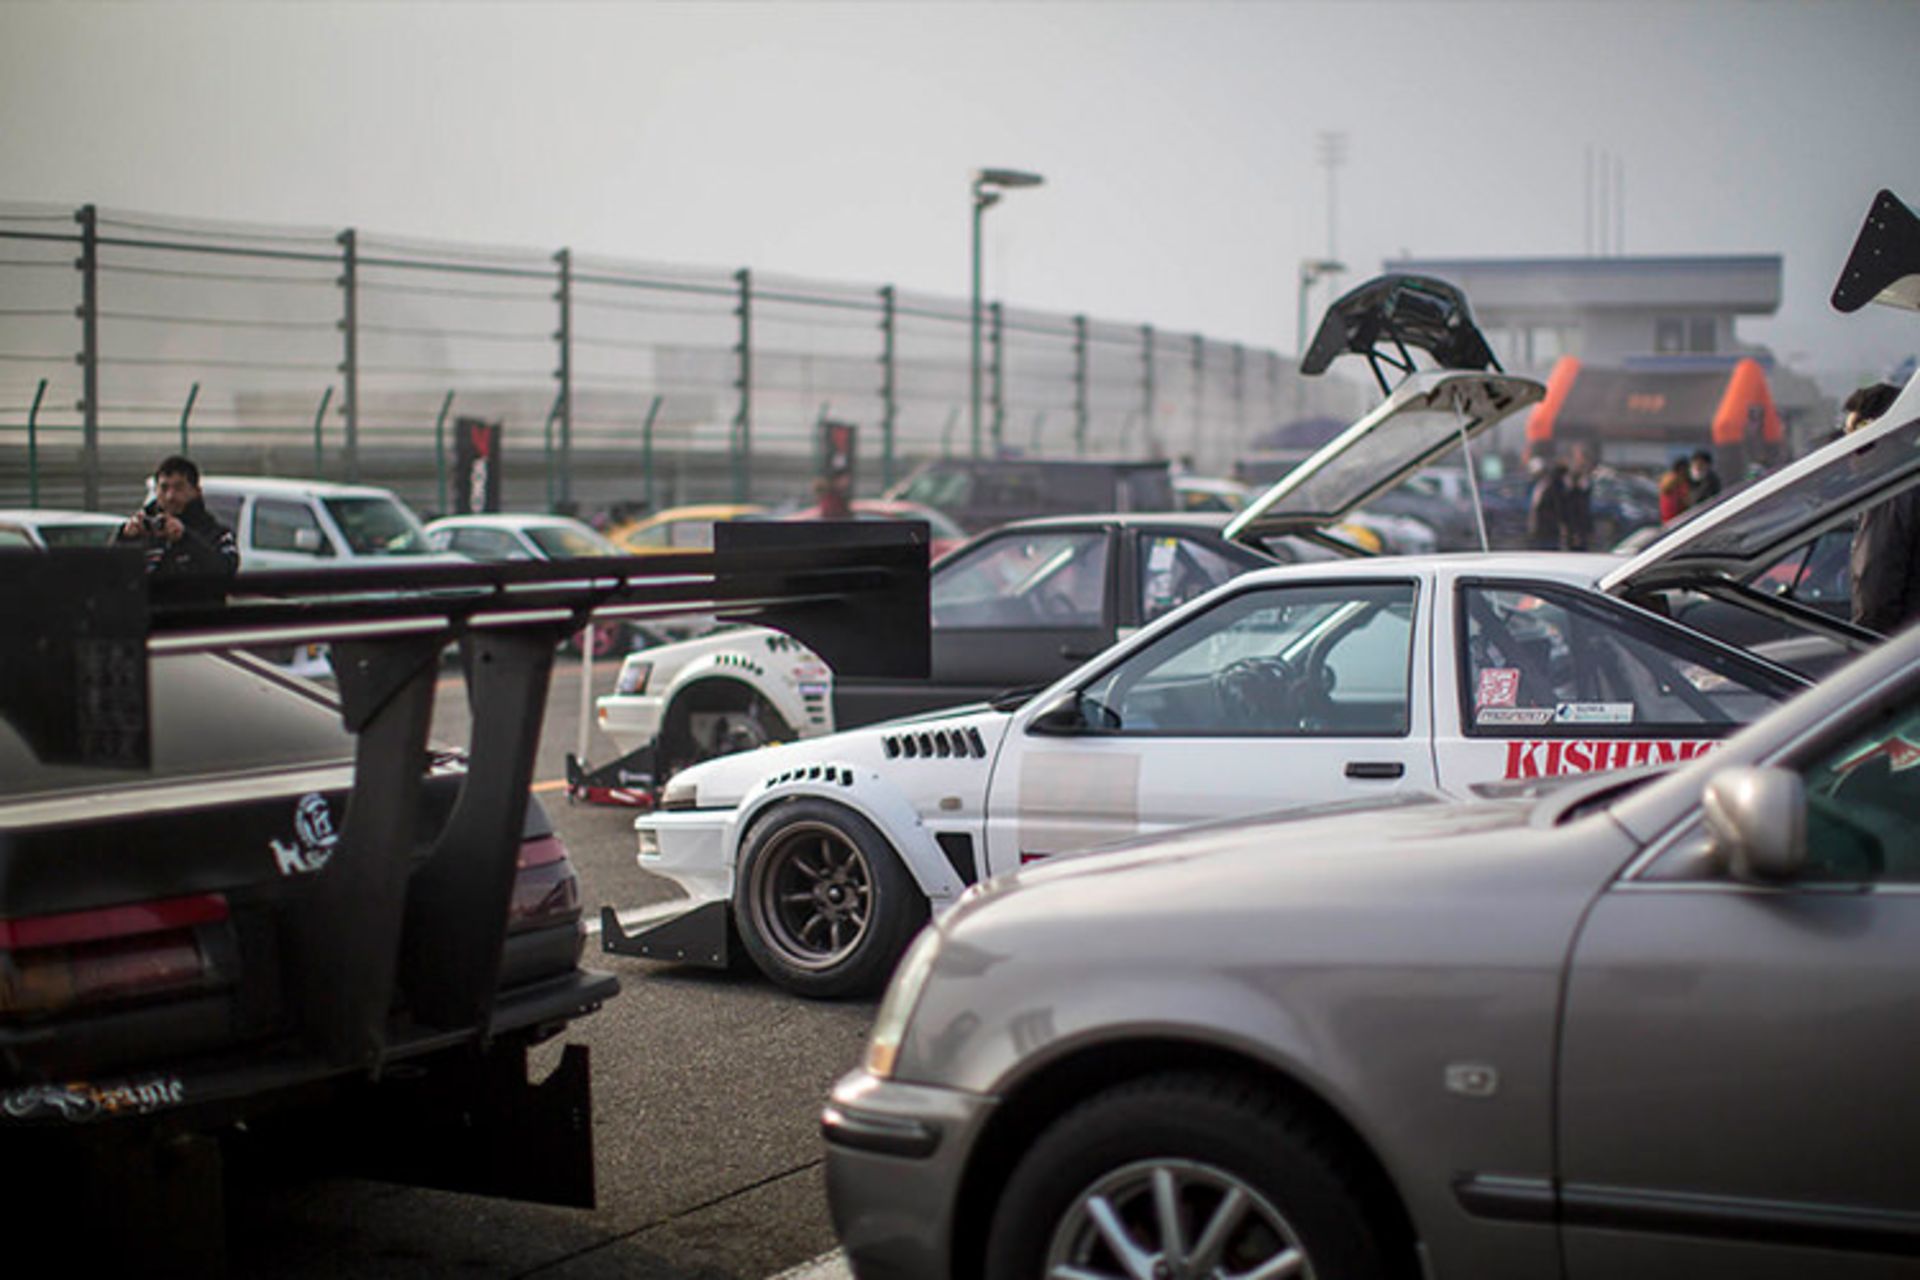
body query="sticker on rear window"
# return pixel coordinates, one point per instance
(1593, 713)
(1512, 715)
(1499, 687)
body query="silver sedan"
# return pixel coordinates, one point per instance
(1658, 1025)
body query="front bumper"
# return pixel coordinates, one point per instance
(632, 720)
(896, 1154)
(688, 847)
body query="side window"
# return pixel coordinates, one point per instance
(1541, 661)
(1311, 661)
(690, 535)
(1815, 574)
(14, 538)
(487, 544)
(1028, 579)
(1861, 801)
(278, 526)
(224, 507)
(1174, 570)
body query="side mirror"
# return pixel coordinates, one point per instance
(1064, 719)
(1758, 822)
(309, 541)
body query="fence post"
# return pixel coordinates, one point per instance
(1147, 392)
(646, 448)
(889, 403)
(1080, 385)
(186, 413)
(33, 445)
(946, 432)
(996, 340)
(1239, 399)
(440, 454)
(319, 423)
(743, 416)
(565, 372)
(89, 265)
(546, 438)
(1197, 446)
(350, 353)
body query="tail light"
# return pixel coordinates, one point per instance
(546, 891)
(137, 951)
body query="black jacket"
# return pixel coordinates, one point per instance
(205, 554)
(1885, 566)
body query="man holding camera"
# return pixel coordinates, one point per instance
(183, 540)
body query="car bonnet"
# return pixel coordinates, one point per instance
(1428, 416)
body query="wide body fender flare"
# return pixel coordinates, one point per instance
(867, 793)
(752, 673)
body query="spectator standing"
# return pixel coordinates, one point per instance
(1676, 491)
(1703, 482)
(182, 539)
(1578, 533)
(1884, 567)
(1547, 510)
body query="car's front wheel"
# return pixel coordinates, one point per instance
(1183, 1176)
(823, 905)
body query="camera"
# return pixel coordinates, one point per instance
(154, 523)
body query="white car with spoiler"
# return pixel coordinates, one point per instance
(1287, 686)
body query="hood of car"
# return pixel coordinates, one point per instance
(930, 748)
(1427, 417)
(1751, 528)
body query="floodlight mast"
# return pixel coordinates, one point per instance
(987, 186)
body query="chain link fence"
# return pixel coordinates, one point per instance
(348, 356)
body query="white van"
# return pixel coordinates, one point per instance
(315, 524)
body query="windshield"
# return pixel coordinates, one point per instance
(378, 526)
(565, 542)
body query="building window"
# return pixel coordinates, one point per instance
(1677, 335)
(1700, 333)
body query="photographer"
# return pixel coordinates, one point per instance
(183, 540)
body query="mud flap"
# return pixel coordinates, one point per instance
(698, 936)
(628, 781)
(478, 1126)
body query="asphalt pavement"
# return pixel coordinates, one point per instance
(707, 1094)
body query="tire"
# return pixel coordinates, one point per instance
(822, 903)
(1195, 1140)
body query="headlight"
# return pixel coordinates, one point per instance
(896, 1010)
(633, 677)
(680, 795)
(648, 840)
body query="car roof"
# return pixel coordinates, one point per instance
(291, 488)
(1581, 568)
(53, 515)
(1194, 521)
(506, 520)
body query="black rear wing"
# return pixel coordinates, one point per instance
(82, 626)
(1383, 317)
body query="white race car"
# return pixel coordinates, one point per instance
(1287, 686)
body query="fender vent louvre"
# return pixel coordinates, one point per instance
(833, 774)
(935, 744)
(958, 846)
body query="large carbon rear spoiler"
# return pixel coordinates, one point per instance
(82, 626)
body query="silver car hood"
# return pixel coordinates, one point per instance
(1426, 418)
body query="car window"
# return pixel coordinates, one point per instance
(488, 544)
(1298, 661)
(1815, 574)
(277, 526)
(1174, 570)
(690, 535)
(210, 714)
(78, 535)
(378, 526)
(563, 542)
(1861, 802)
(1537, 661)
(1025, 579)
(225, 507)
(14, 538)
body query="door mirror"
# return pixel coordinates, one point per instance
(1758, 822)
(1075, 714)
(309, 541)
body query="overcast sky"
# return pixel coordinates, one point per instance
(1178, 140)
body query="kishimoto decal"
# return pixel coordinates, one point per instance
(314, 838)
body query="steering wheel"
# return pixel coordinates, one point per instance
(1257, 693)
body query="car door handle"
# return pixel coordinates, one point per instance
(1375, 769)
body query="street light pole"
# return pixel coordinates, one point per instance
(987, 186)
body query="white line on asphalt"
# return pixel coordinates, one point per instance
(828, 1266)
